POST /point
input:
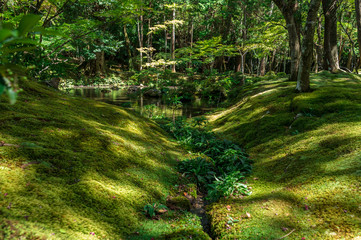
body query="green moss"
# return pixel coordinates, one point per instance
(84, 167)
(307, 162)
(180, 202)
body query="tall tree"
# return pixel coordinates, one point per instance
(303, 80)
(289, 11)
(173, 38)
(331, 60)
(358, 20)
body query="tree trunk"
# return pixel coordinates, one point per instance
(295, 46)
(330, 35)
(190, 54)
(128, 44)
(349, 60)
(303, 80)
(173, 41)
(100, 62)
(165, 43)
(271, 63)
(316, 60)
(262, 66)
(140, 38)
(238, 63)
(358, 20)
(149, 43)
(319, 50)
(289, 10)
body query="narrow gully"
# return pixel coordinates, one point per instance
(199, 208)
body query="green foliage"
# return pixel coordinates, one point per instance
(198, 169)
(226, 164)
(13, 41)
(232, 184)
(174, 100)
(151, 210)
(199, 121)
(149, 110)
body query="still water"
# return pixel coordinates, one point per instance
(148, 106)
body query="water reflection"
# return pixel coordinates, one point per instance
(145, 105)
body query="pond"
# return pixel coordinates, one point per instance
(147, 106)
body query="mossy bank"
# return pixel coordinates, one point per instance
(307, 171)
(72, 168)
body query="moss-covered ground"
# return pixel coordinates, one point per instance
(307, 152)
(73, 168)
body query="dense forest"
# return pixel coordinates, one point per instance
(228, 119)
(87, 39)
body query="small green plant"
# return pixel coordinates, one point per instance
(232, 221)
(175, 103)
(295, 132)
(149, 110)
(234, 159)
(229, 185)
(151, 210)
(199, 169)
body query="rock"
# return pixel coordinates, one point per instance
(54, 82)
(133, 89)
(153, 93)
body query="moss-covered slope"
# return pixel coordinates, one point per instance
(307, 171)
(77, 169)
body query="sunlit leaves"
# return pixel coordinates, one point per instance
(14, 41)
(27, 23)
(207, 50)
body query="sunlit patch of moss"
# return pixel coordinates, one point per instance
(84, 169)
(173, 225)
(307, 167)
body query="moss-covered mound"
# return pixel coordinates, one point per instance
(71, 168)
(307, 152)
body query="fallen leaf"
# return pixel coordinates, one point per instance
(161, 211)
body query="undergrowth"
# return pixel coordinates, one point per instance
(221, 167)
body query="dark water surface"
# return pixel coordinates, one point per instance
(148, 106)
